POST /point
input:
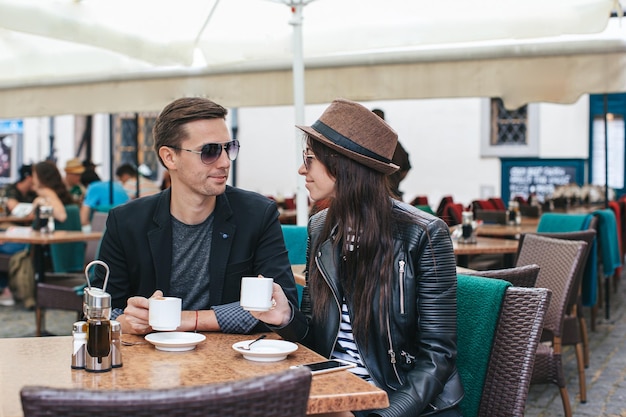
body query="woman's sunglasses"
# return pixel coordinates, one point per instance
(306, 159)
(212, 151)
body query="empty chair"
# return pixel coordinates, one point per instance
(420, 200)
(559, 261)
(61, 291)
(483, 204)
(283, 394)
(513, 352)
(575, 325)
(499, 327)
(491, 216)
(442, 205)
(530, 211)
(296, 238)
(521, 276)
(453, 214)
(498, 203)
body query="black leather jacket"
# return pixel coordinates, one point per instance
(415, 358)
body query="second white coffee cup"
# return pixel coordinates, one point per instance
(256, 293)
(164, 313)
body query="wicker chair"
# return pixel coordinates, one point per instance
(283, 394)
(522, 276)
(560, 262)
(575, 325)
(513, 352)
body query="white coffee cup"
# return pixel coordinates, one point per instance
(164, 313)
(256, 293)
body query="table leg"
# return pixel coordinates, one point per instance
(40, 270)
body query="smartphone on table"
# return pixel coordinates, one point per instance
(323, 367)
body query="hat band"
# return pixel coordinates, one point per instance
(345, 142)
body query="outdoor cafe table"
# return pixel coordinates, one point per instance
(485, 246)
(45, 361)
(39, 240)
(506, 230)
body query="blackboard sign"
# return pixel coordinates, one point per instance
(521, 177)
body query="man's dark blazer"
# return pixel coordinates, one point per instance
(247, 241)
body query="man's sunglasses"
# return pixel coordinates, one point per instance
(212, 151)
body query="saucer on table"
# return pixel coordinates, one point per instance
(265, 350)
(175, 341)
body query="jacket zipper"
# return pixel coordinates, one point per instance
(391, 352)
(401, 264)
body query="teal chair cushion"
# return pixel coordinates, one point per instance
(295, 242)
(478, 309)
(68, 257)
(425, 208)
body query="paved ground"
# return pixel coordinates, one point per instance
(606, 375)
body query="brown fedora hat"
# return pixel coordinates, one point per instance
(354, 131)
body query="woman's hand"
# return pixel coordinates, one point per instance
(280, 313)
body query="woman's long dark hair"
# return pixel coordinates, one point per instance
(362, 212)
(49, 176)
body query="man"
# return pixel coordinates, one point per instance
(197, 239)
(127, 175)
(74, 168)
(22, 191)
(400, 158)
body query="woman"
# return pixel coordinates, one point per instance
(51, 190)
(381, 275)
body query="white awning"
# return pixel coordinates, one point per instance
(91, 56)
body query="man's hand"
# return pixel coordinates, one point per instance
(136, 315)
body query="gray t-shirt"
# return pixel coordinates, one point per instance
(191, 253)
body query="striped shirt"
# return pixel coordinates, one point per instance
(346, 349)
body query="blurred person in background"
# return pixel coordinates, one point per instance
(22, 190)
(400, 158)
(74, 169)
(51, 190)
(98, 197)
(132, 180)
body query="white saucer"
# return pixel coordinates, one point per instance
(266, 350)
(175, 341)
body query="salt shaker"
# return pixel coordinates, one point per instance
(79, 333)
(116, 344)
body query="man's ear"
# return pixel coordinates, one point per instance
(168, 156)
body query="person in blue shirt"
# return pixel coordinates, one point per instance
(98, 197)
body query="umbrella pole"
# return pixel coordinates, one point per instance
(302, 203)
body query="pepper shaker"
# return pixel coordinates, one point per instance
(116, 344)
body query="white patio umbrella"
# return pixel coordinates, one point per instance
(83, 57)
